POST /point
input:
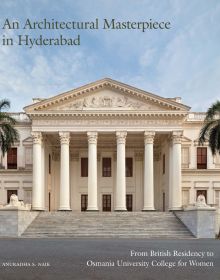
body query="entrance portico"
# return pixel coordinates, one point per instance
(68, 184)
(133, 132)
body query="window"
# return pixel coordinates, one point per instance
(84, 202)
(185, 157)
(84, 167)
(164, 163)
(49, 164)
(9, 193)
(164, 201)
(106, 203)
(12, 158)
(129, 167)
(129, 202)
(202, 158)
(106, 167)
(28, 157)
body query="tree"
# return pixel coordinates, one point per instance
(210, 130)
(8, 134)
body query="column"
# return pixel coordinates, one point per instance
(120, 204)
(148, 171)
(176, 191)
(64, 172)
(38, 186)
(43, 173)
(92, 171)
(170, 173)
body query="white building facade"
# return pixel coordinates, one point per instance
(108, 146)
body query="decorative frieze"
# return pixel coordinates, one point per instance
(104, 123)
(103, 102)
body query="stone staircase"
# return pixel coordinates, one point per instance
(113, 224)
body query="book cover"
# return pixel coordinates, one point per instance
(109, 156)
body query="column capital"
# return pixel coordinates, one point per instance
(177, 137)
(121, 137)
(37, 137)
(149, 137)
(64, 137)
(92, 137)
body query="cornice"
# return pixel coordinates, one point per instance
(127, 114)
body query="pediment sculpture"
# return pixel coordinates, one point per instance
(15, 204)
(104, 102)
(201, 202)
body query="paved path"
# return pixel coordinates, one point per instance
(66, 259)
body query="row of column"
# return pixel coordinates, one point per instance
(175, 200)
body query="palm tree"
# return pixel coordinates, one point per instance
(210, 130)
(8, 134)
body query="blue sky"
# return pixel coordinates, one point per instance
(183, 61)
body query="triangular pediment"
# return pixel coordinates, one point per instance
(106, 94)
(27, 141)
(186, 140)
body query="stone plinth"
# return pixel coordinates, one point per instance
(13, 222)
(200, 221)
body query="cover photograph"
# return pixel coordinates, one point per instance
(109, 140)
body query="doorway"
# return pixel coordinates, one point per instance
(129, 202)
(84, 202)
(106, 203)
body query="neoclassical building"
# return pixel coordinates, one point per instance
(109, 146)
